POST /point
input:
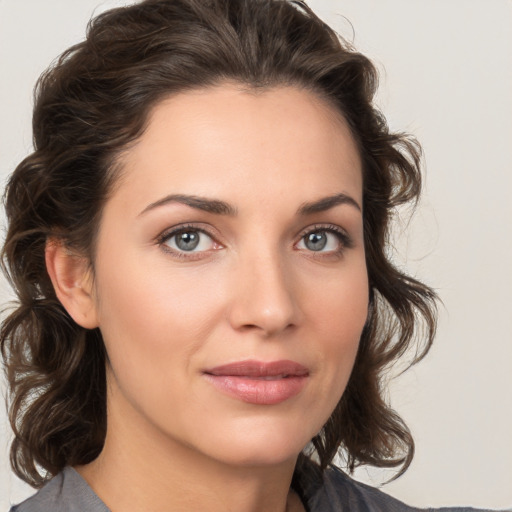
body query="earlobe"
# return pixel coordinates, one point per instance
(72, 281)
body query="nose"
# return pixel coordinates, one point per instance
(264, 300)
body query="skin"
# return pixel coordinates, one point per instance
(252, 290)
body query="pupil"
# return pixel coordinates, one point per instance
(316, 241)
(187, 241)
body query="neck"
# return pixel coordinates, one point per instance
(165, 475)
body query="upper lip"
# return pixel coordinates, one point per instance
(251, 368)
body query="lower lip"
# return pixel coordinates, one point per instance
(258, 391)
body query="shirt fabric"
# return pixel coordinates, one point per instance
(334, 492)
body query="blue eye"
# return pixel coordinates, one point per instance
(188, 240)
(316, 241)
(324, 240)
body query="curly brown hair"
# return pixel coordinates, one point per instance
(93, 103)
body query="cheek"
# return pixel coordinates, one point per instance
(340, 304)
(153, 321)
(338, 316)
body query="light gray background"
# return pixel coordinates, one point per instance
(446, 70)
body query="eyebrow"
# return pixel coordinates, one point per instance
(218, 207)
(326, 203)
(200, 203)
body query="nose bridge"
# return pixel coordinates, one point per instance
(264, 297)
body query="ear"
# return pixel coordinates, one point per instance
(72, 281)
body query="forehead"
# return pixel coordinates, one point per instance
(225, 140)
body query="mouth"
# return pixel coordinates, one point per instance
(259, 383)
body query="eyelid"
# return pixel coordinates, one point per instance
(168, 233)
(346, 240)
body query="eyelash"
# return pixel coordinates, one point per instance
(344, 239)
(167, 235)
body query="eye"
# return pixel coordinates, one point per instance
(327, 240)
(188, 240)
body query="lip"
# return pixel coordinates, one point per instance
(258, 382)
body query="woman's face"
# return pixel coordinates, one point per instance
(230, 279)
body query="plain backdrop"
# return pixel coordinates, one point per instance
(446, 77)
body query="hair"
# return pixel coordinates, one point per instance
(95, 101)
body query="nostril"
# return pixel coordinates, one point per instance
(263, 298)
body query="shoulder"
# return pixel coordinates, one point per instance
(336, 492)
(66, 492)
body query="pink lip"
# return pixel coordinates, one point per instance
(258, 382)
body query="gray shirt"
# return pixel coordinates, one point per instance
(335, 492)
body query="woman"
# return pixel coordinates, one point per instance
(198, 244)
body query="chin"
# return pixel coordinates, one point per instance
(262, 443)
(259, 456)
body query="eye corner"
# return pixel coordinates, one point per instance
(199, 242)
(324, 232)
